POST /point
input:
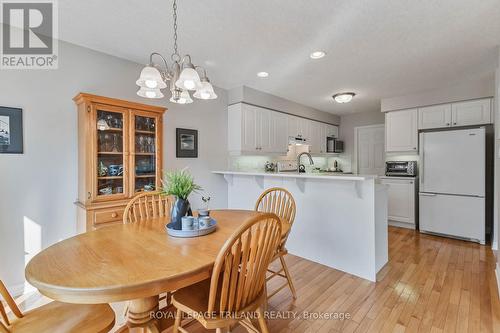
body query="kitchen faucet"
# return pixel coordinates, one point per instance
(311, 162)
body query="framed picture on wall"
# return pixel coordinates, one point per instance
(186, 143)
(11, 130)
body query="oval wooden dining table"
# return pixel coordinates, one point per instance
(130, 262)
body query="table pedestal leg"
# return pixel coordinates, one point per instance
(140, 317)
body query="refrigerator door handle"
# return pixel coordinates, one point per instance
(428, 194)
(421, 157)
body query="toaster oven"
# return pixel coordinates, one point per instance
(401, 168)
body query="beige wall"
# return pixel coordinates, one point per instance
(468, 89)
(346, 132)
(38, 188)
(256, 97)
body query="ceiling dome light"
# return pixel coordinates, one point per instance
(262, 74)
(150, 93)
(150, 78)
(345, 97)
(317, 54)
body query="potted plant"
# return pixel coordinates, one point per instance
(179, 183)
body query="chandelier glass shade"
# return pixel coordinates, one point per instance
(182, 75)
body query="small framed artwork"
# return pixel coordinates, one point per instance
(11, 130)
(186, 143)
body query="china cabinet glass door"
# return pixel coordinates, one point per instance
(111, 149)
(145, 152)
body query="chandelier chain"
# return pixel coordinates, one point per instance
(176, 53)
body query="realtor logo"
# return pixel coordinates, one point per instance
(29, 34)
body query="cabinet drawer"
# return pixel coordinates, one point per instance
(108, 215)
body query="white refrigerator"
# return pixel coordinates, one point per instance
(452, 183)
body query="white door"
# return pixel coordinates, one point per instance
(453, 215)
(401, 129)
(471, 112)
(435, 116)
(370, 155)
(453, 162)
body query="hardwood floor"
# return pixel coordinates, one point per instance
(430, 284)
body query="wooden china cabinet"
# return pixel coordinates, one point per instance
(119, 155)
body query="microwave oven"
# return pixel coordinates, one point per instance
(334, 145)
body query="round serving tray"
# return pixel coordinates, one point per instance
(191, 233)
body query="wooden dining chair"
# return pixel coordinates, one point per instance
(236, 287)
(148, 205)
(280, 202)
(145, 206)
(55, 317)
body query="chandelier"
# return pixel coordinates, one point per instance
(182, 76)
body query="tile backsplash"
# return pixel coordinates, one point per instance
(257, 163)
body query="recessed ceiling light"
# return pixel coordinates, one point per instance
(317, 54)
(262, 74)
(344, 97)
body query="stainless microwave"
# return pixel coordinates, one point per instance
(334, 145)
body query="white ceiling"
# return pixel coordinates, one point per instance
(377, 49)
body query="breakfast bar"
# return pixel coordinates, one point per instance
(341, 220)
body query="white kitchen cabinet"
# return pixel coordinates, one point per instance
(316, 129)
(476, 112)
(279, 132)
(298, 127)
(292, 126)
(332, 130)
(248, 128)
(401, 201)
(318, 134)
(256, 130)
(248, 131)
(435, 116)
(263, 136)
(401, 131)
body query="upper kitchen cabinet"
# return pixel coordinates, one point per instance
(299, 127)
(401, 131)
(279, 132)
(476, 112)
(434, 116)
(331, 130)
(252, 129)
(317, 139)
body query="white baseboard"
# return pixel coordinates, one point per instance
(20, 289)
(16, 290)
(497, 272)
(401, 224)
(494, 245)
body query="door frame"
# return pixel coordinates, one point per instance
(355, 153)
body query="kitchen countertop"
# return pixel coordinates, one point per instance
(330, 176)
